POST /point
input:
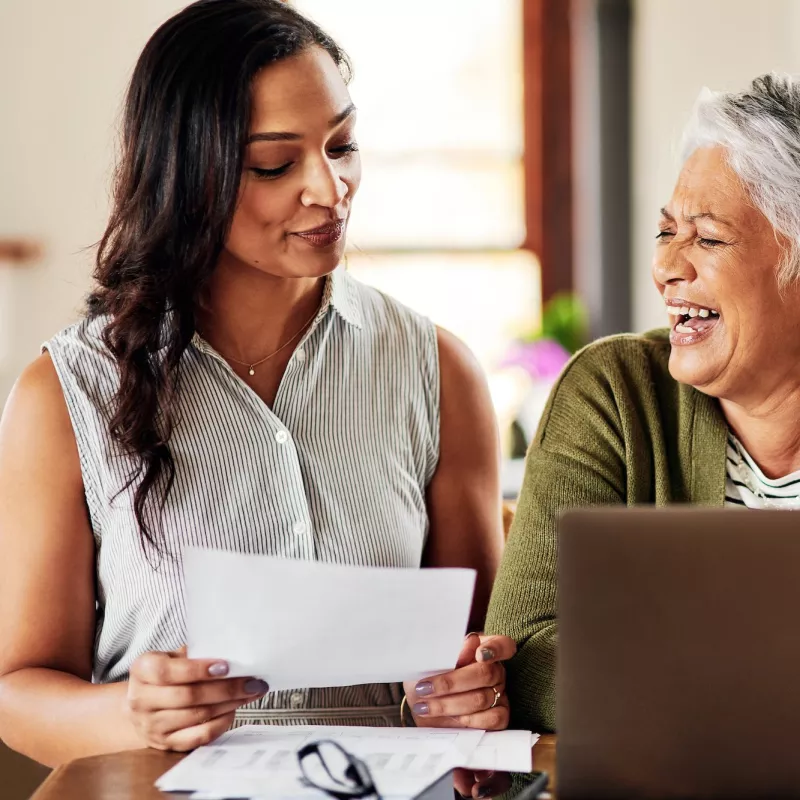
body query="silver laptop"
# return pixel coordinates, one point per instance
(679, 653)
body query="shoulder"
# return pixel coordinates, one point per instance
(628, 353)
(624, 360)
(37, 384)
(400, 337)
(85, 366)
(611, 379)
(468, 425)
(85, 334)
(382, 313)
(459, 369)
(35, 418)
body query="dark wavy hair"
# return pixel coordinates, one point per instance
(184, 131)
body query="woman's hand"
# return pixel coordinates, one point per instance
(482, 784)
(470, 696)
(179, 703)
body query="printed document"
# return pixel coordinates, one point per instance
(261, 760)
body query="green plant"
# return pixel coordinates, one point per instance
(564, 320)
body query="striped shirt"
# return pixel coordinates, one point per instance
(336, 471)
(747, 486)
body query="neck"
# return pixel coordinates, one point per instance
(247, 314)
(769, 431)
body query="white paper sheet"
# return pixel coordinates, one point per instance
(306, 624)
(504, 751)
(261, 761)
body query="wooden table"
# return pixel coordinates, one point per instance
(131, 775)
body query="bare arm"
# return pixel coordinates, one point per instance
(49, 709)
(466, 531)
(464, 495)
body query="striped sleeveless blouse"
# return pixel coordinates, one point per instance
(336, 471)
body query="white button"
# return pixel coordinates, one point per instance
(300, 355)
(299, 528)
(281, 437)
(296, 700)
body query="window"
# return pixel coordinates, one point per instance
(440, 220)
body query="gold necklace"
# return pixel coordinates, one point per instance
(252, 367)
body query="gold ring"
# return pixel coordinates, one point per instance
(497, 697)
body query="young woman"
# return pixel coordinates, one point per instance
(231, 387)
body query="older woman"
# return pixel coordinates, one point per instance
(707, 412)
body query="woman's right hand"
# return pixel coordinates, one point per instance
(180, 703)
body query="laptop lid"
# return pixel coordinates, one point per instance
(679, 653)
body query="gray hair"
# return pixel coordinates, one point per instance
(760, 130)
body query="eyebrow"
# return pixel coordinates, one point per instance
(700, 215)
(280, 136)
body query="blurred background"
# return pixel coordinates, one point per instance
(515, 155)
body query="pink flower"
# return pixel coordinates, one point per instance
(541, 359)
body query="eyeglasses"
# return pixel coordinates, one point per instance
(326, 765)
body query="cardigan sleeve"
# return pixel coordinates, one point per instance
(577, 459)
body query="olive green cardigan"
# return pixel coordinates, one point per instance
(617, 429)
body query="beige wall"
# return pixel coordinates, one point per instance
(63, 70)
(679, 47)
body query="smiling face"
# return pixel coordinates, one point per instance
(301, 170)
(734, 333)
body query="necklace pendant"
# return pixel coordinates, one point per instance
(252, 371)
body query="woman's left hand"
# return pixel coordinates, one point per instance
(470, 696)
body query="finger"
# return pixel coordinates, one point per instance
(199, 735)
(463, 781)
(467, 655)
(170, 669)
(496, 648)
(492, 719)
(165, 722)
(495, 719)
(458, 705)
(149, 697)
(474, 676)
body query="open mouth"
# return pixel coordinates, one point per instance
(690, 321)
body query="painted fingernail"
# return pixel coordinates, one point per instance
(218, 669)
(256, 686)
(487, 654)
(420, 709)
(423, 688)
(483, 791)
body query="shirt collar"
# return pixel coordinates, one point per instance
(342, 295)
